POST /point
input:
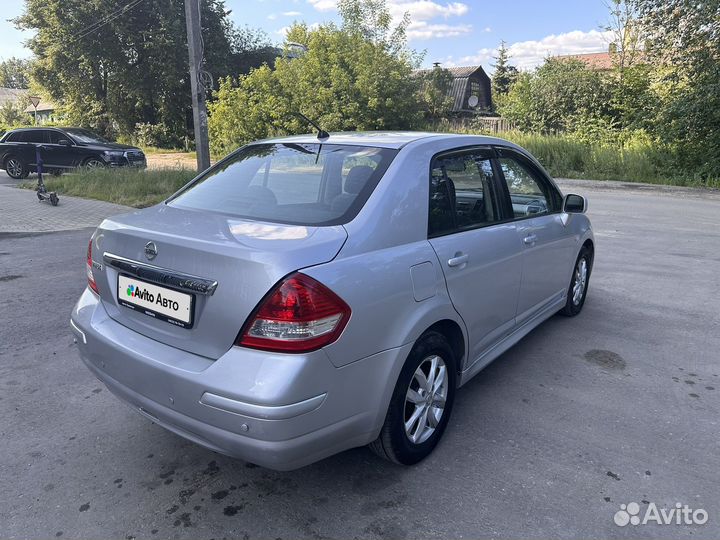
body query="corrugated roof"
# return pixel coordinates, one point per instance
(12, 94)
(457, 72)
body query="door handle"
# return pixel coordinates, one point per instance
(530, 239)
(458, 260)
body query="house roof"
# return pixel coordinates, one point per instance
(12, 95)
(459, 85)
(599, 61)
(457, 72)
(45, 105)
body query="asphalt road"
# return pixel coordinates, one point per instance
(615, 406)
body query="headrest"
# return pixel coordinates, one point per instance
(357, 177)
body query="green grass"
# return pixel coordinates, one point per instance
(138, 188)
(157, 150)
(632, 161)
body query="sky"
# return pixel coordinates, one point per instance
(456, 33)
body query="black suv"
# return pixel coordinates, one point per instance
(62, 149)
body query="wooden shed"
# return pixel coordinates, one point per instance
(470, 89)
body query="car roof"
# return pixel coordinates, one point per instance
(381, 139)
(32, 128)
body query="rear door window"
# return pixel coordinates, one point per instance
(36, 136)
(462, 192)
(308, 184)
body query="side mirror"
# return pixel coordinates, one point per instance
(574, 204)
(64, 142)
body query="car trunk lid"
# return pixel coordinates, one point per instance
(193, 250)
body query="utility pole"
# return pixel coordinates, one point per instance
(195, 52)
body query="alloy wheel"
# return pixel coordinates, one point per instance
(93, 164)
(425, 399)
(580, 281)
(14, 168)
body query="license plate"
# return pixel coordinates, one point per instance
(161, 303)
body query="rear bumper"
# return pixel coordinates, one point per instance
(280, 411)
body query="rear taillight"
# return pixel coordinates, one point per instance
(299, 315)
(89, 270)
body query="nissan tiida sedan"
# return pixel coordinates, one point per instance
(305, 296)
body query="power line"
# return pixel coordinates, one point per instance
(89, 29)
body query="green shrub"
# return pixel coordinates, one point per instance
(630, 156)
(156, 135)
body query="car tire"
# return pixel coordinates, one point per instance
(56, 172)
(579, 283)
(93, 163)
(395, 442)
(16, 168)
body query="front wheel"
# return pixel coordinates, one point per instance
(16, 168)
(579, 283)
(421, 403)
(93, 163)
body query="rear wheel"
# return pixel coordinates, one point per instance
(15, 168)
(579, 283)
(421, 403)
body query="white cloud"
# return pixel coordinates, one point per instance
(423, 15)
(284, 30)
(323, 5)
(529, 54)
(291, 14)
(425, 10)
(424, 30)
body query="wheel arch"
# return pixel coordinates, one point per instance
(590, 245)
(455, 337)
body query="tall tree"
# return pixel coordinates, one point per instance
(632, 97)
(15, 73)
(114, 63)
(347, 79)
(626, 39)
(683, 38)
(505, 74)
(434, 92)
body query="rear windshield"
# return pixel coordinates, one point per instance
(303, 184)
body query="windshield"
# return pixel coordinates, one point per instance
(85, 136)
(302, 184)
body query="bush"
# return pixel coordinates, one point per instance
(156, 135)
(630, 156)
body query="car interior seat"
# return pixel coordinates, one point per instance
(355, 180)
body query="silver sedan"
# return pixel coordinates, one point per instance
(305, 296)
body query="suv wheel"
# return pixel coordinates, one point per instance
(421, 403)
(94, 163)
(15, 168)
